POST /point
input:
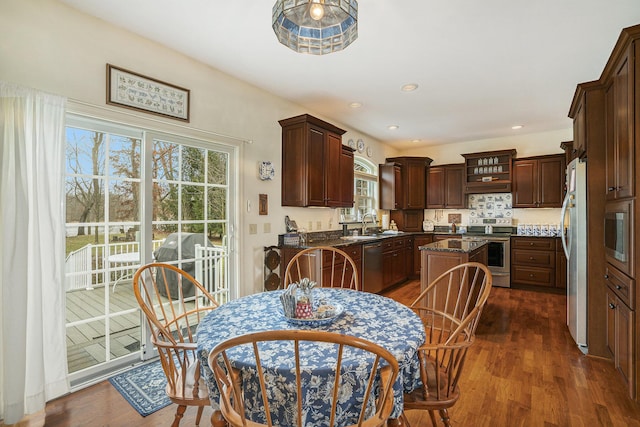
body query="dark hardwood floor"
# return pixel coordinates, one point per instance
(523, 370)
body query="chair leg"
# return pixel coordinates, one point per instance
(199, 415)
(444, 414)
(432, 415)
(217, 420)
(179, 415)
(401, 421)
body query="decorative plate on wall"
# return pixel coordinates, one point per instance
(360, 146)
(352, 144)
(266, 170)
(369, 151)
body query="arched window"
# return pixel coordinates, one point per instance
(365, 187)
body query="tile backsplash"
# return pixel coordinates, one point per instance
(492, 205)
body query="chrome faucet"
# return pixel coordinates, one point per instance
(364, 223)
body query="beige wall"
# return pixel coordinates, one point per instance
(52, 47)
(526, 145)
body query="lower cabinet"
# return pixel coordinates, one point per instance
(397, 260)
(355, 252)
(533, 261)
(620, 337)
(419, 240)
(620, 330)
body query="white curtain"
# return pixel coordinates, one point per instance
(33, 366)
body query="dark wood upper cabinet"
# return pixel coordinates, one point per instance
(314, 163)
(538, 182)
(620, 153)
(346, 177)
(445, 187)
(403, 182)
(579, 127)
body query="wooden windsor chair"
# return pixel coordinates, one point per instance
(374, 405)
(172, 317)
(450, 308)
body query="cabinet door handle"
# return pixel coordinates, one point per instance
(532, 258)
(611, 189)
(612, 306)
(618, 287)
(531, 243)
(532, 275)
(606, 276)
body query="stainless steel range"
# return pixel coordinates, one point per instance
(497, 231)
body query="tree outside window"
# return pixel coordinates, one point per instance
(365, 188)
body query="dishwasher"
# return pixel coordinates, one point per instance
(372, 267)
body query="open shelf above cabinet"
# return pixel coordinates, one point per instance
(489, 171)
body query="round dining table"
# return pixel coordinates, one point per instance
(366, 315)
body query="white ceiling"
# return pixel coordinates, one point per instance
(481, 65)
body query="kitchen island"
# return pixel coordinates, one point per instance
(440, 256)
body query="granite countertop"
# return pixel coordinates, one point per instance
(337, 240)
(349, 240)
(454, 245)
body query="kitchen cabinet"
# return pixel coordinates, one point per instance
(605, 114)
(533, 261)
(313, 162)
(620, 152)
(390, 186)
(620, 324)
(408, 219)
(538, 182)
(436, 260)
(445, 188)
(621, 339)
(395, 260)
(488, 172)
(569, 154)
(579, 127)
(403, 182)
(346, 177)
(419, 240)
(355, 252)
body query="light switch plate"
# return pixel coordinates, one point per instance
(266, 227)
(253, 228)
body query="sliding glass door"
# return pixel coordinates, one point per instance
(135, 196)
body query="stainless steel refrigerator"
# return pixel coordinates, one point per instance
(574, 241)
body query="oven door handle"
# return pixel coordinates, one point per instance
(564, 235)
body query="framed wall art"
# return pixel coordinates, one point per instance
(131, 90)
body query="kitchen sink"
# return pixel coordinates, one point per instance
(365, 237)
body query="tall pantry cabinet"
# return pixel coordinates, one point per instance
(610, 142)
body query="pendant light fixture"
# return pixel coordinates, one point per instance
(317, 27)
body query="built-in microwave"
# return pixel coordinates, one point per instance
(616, 232)
(618, 228)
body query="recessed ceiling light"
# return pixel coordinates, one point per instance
(393, 127)
(355, 105)
(415, 140)
(516, 127)
(409, 87)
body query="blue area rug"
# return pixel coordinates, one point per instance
(143, 387)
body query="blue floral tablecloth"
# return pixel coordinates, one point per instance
(366, 315)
